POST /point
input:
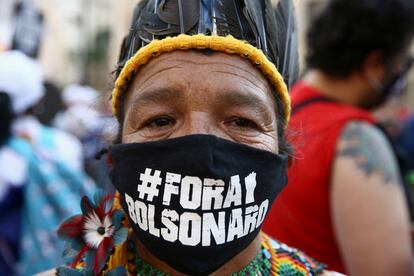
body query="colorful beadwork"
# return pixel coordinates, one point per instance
(121, 257)
(274, 259)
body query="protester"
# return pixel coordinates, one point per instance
(54, 177)
(397, 118)
(405, 145)
(344, 204)
(393, 119)
(12, 174)
(201, 153)
(83, 118)
(79, 117)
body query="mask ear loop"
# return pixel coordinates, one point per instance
(400, 80)
(101, 153)
(402, 83)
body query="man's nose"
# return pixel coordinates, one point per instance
(197, 123)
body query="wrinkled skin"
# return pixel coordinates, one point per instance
(191, 92)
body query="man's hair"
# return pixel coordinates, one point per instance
(345, 32)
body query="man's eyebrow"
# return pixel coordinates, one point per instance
(243, 99)
(158, 95)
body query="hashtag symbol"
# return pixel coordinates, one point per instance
(149, 184)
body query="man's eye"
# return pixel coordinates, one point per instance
(244, 123)
(160, 122)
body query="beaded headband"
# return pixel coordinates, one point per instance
(227, 44)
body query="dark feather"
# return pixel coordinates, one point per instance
(132, 42)
(155, 26)
(178, 14)
(254, 13)
(204, 22)
(171, 17)
(272, 31)
(270, 28)
(230, 19)
(286, 43)
(147, 10)
(181, 13)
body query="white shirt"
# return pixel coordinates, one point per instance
(67, 149)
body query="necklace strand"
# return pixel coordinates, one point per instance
(263, 263)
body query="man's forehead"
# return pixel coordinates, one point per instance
(174, 66)
(202, 59)
(167, 76)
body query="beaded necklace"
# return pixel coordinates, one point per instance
(264, 263)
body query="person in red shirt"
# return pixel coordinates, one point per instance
(344, 203)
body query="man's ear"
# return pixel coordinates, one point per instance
(291, 160)
(373, 66)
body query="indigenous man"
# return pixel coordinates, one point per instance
(202, 102)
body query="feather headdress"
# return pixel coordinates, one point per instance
(267, 25)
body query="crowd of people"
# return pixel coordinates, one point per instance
(219, 159)
(42, 168)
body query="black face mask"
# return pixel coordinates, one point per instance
(394, 84)
(197, 201)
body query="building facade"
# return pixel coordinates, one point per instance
(82, 38)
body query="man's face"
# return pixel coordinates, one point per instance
(191, 92)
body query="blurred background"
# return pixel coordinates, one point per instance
(79, 39)
(76, 43)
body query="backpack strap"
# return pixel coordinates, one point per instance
(320, 99)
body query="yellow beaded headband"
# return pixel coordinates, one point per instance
(228, 44)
